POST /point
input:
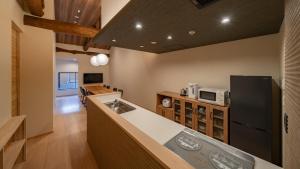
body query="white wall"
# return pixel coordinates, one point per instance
(84, 65)
(109, 8)
(142, 74)
(37, 72)
(9, 12)
(65, 65)
(36, 59)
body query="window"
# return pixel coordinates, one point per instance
(67, 80)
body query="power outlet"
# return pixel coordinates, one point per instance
(286, 123)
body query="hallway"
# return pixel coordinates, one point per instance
(66, 147)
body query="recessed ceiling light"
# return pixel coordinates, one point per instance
(142, 46)
(78, 11)
(114, 40)
(192, 32)
(169, 37)
(153, 43)
(77, 17)
(225, 20)
(138, 26)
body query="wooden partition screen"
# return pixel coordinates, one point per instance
(291, 54)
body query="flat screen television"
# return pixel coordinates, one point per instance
(89, 78)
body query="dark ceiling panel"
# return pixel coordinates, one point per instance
(250, 18)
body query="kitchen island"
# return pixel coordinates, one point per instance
(137, 139)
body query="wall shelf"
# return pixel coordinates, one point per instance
(13, 142)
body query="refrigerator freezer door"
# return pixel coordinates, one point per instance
(253, 141)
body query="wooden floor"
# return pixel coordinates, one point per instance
(66, 147)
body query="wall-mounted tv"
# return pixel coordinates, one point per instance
(89, 78)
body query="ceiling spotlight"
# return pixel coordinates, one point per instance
(192, 32)
(78, 11)
(114, 40)
(225, 20)
(153, 43)
(138, 26)
(169, 37)
(142, 46)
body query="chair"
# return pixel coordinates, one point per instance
(82, 91)
(115, 89)
(121, 91)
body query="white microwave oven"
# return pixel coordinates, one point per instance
(213, 96)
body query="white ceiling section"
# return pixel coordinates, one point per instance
(109, 8)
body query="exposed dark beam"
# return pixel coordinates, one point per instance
(77, 52)
(58, 26)
(89, 42)
(35, 7)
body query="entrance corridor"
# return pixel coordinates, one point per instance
(66, 147)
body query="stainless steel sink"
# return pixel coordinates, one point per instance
(119, 106)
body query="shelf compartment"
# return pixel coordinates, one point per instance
(219, 127)
(202, 131)
(177, 113)
(177, 118)
(177, 121)
(189, 116)
(162, 107)
(202, 121)
(12, 152)
(218, 117)
(191, 109)
(218, 138)
(188, 125)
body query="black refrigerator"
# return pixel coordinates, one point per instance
(255, 117)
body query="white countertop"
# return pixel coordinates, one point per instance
(162, 129)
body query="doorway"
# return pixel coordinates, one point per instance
(66, 77)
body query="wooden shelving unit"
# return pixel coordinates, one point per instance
(13, 142)
(205, 118)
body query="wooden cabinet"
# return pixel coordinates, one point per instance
(208, 119)
(178, 113)
(166, 112)
(219, 123)
(202, 119)
(188, 114)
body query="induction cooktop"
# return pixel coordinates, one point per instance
(204, 154)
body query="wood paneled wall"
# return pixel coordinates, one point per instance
(291, 52)
(15, 68)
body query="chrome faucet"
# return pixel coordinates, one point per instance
(115, 103)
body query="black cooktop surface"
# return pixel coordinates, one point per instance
(203, 154)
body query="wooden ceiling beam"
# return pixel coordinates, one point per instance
(89, 41)
(58, 26)
(77, 52)
(87, 44)
(35, 7)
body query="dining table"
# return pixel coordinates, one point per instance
(98, 90)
